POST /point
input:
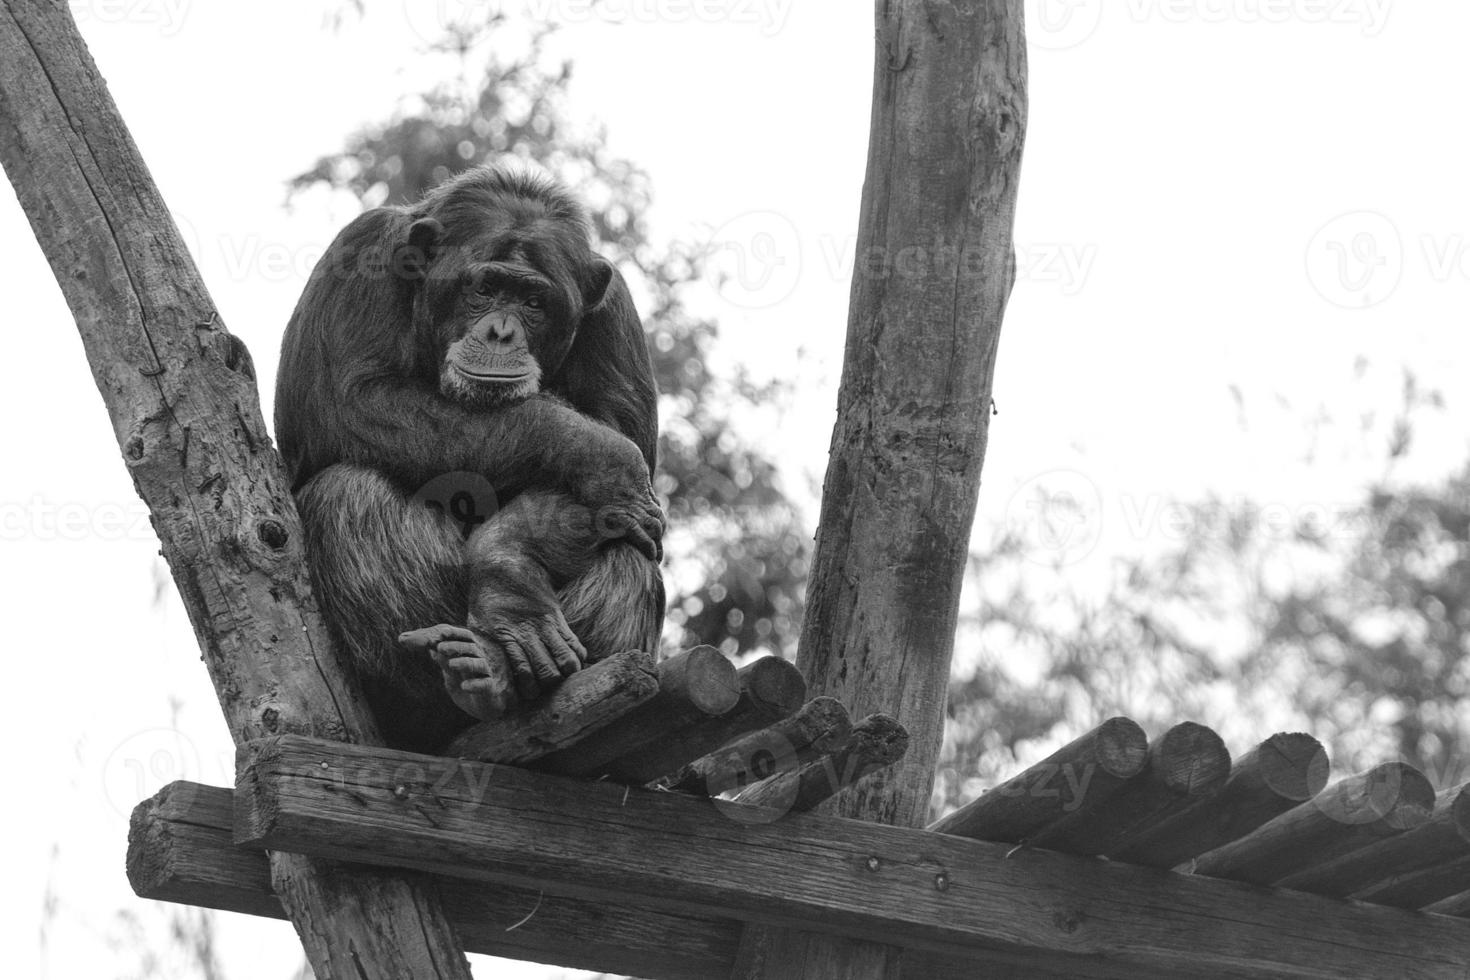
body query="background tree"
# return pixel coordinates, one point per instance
(1351, 623)
(737, 546)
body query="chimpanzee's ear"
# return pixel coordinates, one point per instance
(594, 287)
(411, 260)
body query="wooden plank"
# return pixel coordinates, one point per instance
(584, 703)
(1184, 764)
(770, 689)
(820, 727)
(876, 743)
(851, 879)
(1084, 771)
(179, 850)
(1283, 771)
(696, 684)
(1407, 870)
(1387, 799)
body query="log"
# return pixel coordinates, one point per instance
(1273, 777)
(1385, 800)
(1027, 913)
(1393, 869)
(180, 392)
(694, 685)
(770, 689)
(1087, 770)
(819, 728)
(584, 703)
(1416, 889)
(179, 850)
(935, 265)
(1456, 905)
(1184, 764)
(876, 742)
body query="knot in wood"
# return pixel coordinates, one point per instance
(1068, 920)
(273, 534)
(872, 863)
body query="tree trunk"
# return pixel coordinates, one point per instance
(934, 269)
(181, 394)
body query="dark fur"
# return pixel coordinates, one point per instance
(363, 425)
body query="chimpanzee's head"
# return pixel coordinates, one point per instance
(503, 273)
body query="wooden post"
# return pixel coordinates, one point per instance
(181, 394)
(933, 272)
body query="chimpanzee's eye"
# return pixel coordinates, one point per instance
(486, 287)
(535, 302)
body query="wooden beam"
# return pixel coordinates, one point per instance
(1184, 764)
(179, 850)
(819, 728)
(1352, 813)
(770, 689)
(1398, 870)
(1283, 771)
(876, 743)
(1084, 772)
(934, 270)
(583, 704)
(849, 879)
(695, 685)
(180, 392)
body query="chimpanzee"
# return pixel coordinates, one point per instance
(467, 407)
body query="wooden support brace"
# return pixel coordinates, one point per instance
(1185, 763)
(1278, 774)
(1088, 769)
(1409, 870)
(770, 689)
(694, 685)
(584, 703)
(179, 850)
(932, 894)
(819, 728)
(876, 743)
(1387, 799)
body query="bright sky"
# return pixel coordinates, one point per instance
(1217, 192)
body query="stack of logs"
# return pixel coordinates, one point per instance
(1381, 836)
(693, 724)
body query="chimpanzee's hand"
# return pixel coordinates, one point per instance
(488, 668)
(621, 499)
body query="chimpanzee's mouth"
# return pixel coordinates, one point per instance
(491, 375)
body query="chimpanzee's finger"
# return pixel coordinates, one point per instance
(567, 649)
(521, 671)
(542, 663)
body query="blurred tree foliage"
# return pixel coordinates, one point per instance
(737, 547)
(1349, 622)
